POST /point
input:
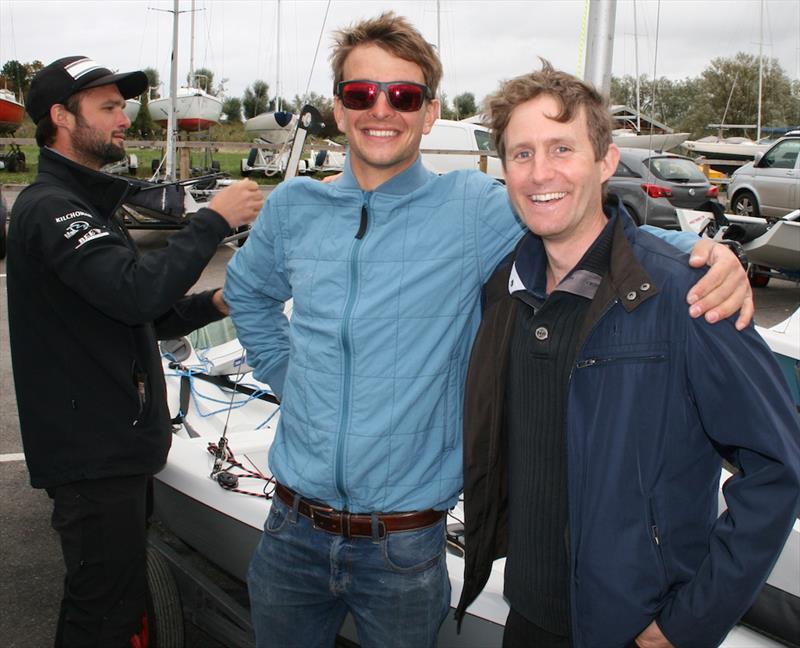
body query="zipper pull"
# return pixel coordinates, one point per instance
(362, 227)
(586, 363)
(654, 533)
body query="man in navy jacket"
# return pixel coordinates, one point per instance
(598, 413)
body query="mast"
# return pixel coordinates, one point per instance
(600, 44)
(760, 68)
(636, 66)
(172, 131)
(278, 63)
(191, 52)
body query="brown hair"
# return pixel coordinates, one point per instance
(46, 129)
(394, 34)
(569, 91)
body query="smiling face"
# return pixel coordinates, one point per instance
(383, 141)
(553, 179)
(96, 134)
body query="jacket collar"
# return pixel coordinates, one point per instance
(400, 185)
(626, 278)
(102, 191)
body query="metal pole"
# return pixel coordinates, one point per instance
(172, 131)
(191, 53)
(636, 65)
(600, 44)
(760, 68)
(278, 63)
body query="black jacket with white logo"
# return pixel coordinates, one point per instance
(85, 310)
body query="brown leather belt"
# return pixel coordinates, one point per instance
(352, 525)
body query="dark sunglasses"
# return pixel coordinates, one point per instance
(404, 96)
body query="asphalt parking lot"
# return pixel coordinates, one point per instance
(30, 562)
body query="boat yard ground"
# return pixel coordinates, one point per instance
(30, 562)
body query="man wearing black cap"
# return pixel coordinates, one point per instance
(85, 310)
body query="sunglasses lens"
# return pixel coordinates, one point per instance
(405, 97)
(359, 95)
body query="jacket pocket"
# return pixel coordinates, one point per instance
(141, 385)
(654, 532)
(453, 414)
(621, 358)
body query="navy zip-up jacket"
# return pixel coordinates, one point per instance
(656, 400)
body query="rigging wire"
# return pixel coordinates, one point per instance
(316, 51)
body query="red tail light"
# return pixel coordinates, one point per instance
(713, 191)
(657, 191)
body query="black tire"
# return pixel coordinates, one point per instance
(757, 280)
(164, 609)
(215, 165)
(154, 164)
(132, 171)
(2, 229)
(745, 204)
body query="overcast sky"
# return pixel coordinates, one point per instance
(480, 41)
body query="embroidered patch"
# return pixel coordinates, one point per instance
(74, 228)
(71, 215)
(91, 234)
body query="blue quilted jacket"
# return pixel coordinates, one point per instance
(370, 368)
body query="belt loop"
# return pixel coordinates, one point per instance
(295, 507)
(376, 527)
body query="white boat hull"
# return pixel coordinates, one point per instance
(194, 110)
(655, 142)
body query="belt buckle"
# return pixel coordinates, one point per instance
(327, 520)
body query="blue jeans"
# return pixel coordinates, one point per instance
(302, 582)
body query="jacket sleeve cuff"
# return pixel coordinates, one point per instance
(214, 220)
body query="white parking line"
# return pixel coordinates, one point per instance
(14, 456)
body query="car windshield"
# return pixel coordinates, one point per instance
(484, 140)
(674, 169)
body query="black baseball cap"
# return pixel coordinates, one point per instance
(57, 82)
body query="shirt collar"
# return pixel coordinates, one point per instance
(400, 185)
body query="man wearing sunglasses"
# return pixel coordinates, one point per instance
(385, 268)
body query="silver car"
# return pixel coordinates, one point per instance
(651, 184)
(769, 187)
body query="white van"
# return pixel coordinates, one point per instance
(447, 134)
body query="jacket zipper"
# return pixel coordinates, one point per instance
(591, 362)
(573, 532)
(347, 347)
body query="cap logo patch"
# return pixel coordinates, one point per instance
(78, 68)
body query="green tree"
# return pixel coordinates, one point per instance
(16, 76)
(154, 81)
(464, 105)
(204, 78)
(445, 111)
(255, 99)
(232, 109)
(732, 83)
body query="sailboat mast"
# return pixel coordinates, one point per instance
(191, 52)
(636, 66)
(760, 68)
(278, 63)
(600, 44)
(172, 131)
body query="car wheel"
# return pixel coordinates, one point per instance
(745, 204)
(758, 275)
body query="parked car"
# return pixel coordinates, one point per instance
(769, 187)
(651, 184)
(447, 134)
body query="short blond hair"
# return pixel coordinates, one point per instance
(397, 36)
(568, 90)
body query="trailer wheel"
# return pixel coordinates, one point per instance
(163, 624)
(755, 276)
